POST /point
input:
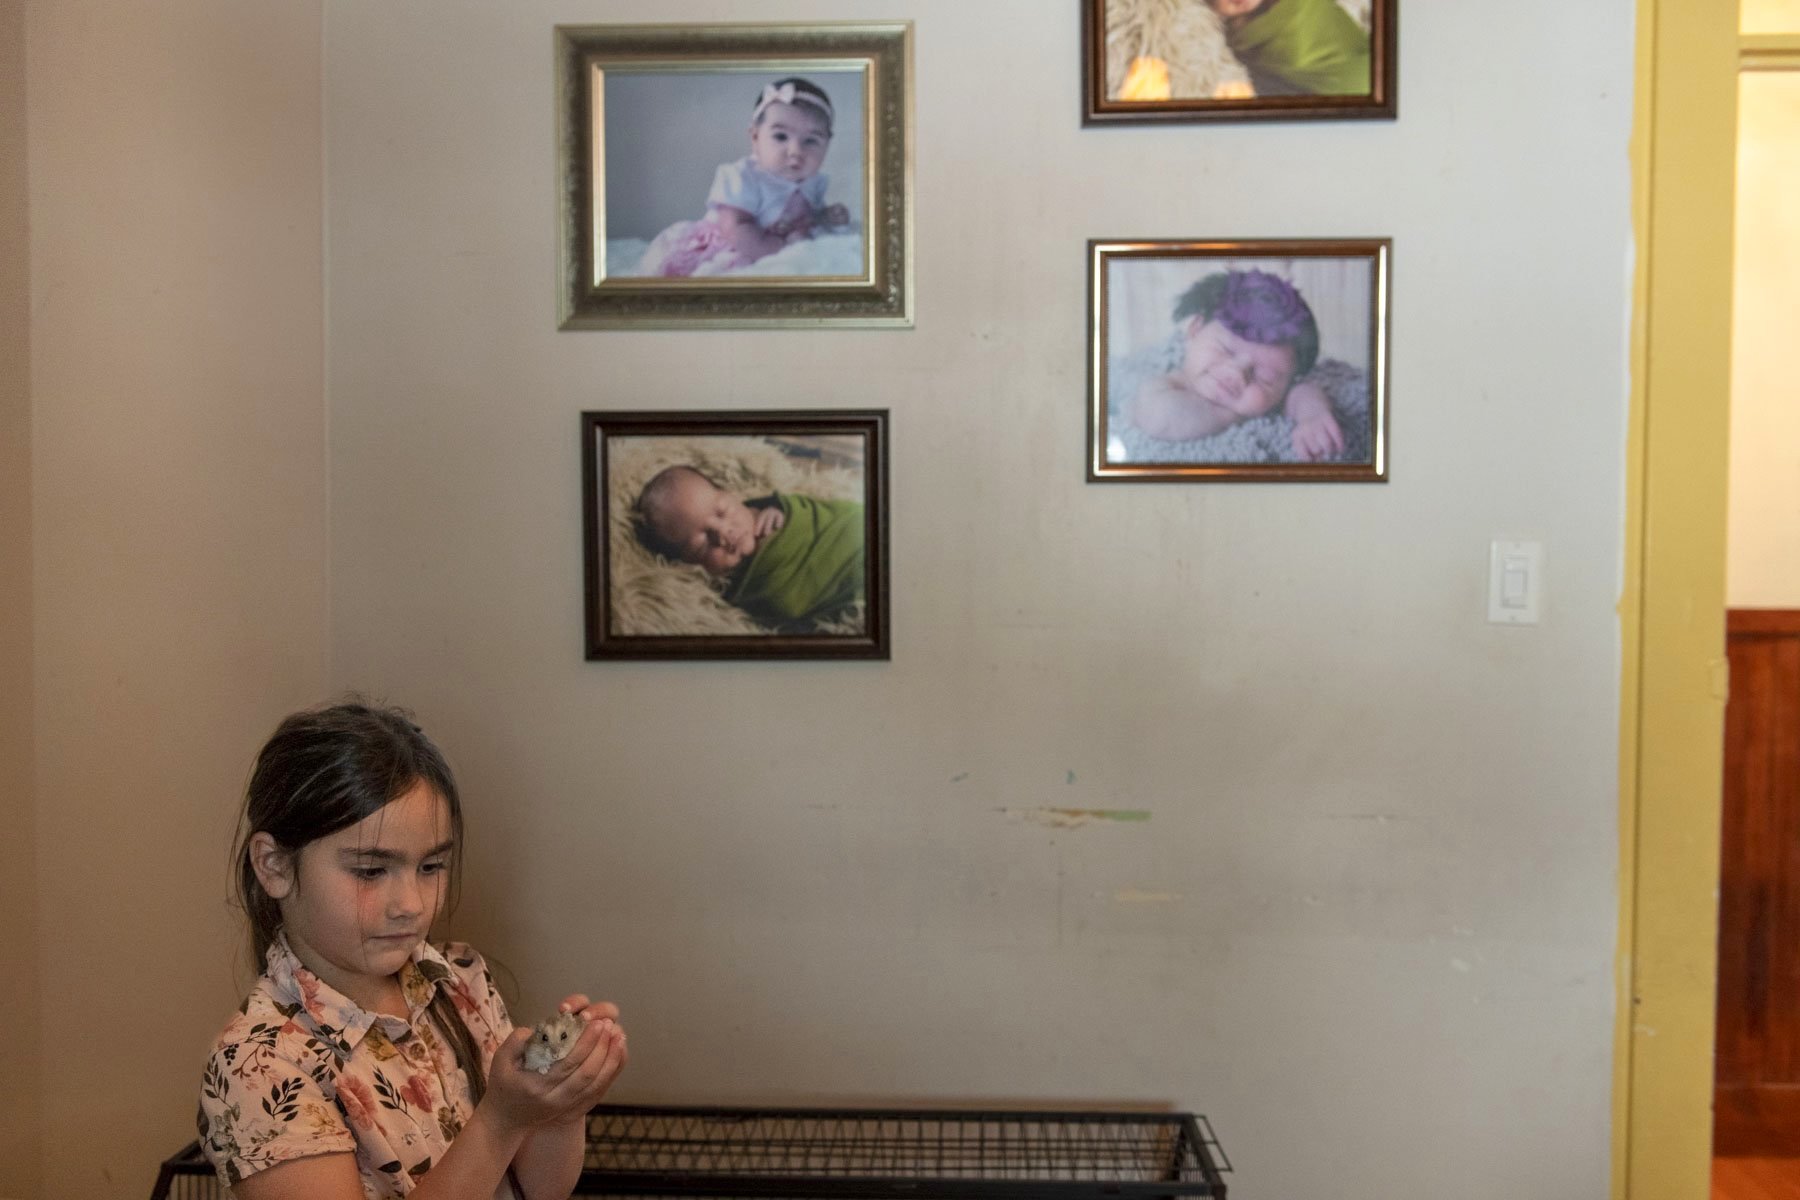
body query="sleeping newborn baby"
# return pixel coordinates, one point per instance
(785, 559)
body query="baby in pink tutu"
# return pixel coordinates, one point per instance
(771, 197)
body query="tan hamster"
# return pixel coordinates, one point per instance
(552, 1040)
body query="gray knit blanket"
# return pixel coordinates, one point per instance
(1265, 439)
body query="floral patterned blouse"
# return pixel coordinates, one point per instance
(302, 1070)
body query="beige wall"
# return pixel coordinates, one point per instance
(178, 537)
(1374, 902)
(1369, 924)
(1763, 550)
(19, 1062)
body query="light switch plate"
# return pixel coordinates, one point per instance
(1515, 582)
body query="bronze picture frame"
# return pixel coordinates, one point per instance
(1238, 361)
(648, 115)
(714, 535)
(1238, 60)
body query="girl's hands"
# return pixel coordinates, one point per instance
(525, 1100)
(607, 1059)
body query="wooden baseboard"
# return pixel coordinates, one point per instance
(1756, 1122)
(1752, 622)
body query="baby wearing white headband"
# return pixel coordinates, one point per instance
(790, 92)
(770, 198)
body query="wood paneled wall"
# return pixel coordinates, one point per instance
(1759, 901)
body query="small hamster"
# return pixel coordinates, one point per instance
(552, 1040)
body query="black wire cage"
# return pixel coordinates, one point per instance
(867, 1154)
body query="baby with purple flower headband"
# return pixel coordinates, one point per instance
(1248, 341)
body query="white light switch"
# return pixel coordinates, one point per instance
(1515, 582)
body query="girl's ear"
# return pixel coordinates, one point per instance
(273, 864)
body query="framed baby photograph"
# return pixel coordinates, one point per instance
(1264, 360)
(1237, 60)
(736, 535)
(735, 175)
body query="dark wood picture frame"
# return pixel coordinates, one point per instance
(1378, 103)
(645, 603)
(1349, 353)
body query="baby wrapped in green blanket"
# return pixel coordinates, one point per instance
(787, 560)
(1298, 47)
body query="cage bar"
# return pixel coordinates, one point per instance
(865, 1154)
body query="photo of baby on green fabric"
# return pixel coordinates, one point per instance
(714, 534)
(1236, 50)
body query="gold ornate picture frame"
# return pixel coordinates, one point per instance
(672, 208)
(1238, 360)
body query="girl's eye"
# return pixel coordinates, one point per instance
(367, 874)
(432, 868)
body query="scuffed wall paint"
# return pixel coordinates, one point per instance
(818, 880)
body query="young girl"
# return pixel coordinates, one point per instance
(771, 197)
(367, 1062)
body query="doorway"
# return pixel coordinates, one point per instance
(1756, 1133)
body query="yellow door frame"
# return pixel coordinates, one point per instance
(1769, 52)
(1672, 608)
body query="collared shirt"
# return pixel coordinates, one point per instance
(748, 188)
(303, 1070)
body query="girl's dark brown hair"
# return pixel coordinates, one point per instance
(323, 770)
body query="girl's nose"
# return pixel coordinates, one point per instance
(407, 899)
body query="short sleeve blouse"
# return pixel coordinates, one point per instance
(302, 1070)
(745, 186)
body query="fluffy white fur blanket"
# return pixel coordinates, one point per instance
(654, 596)
(837, 253)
